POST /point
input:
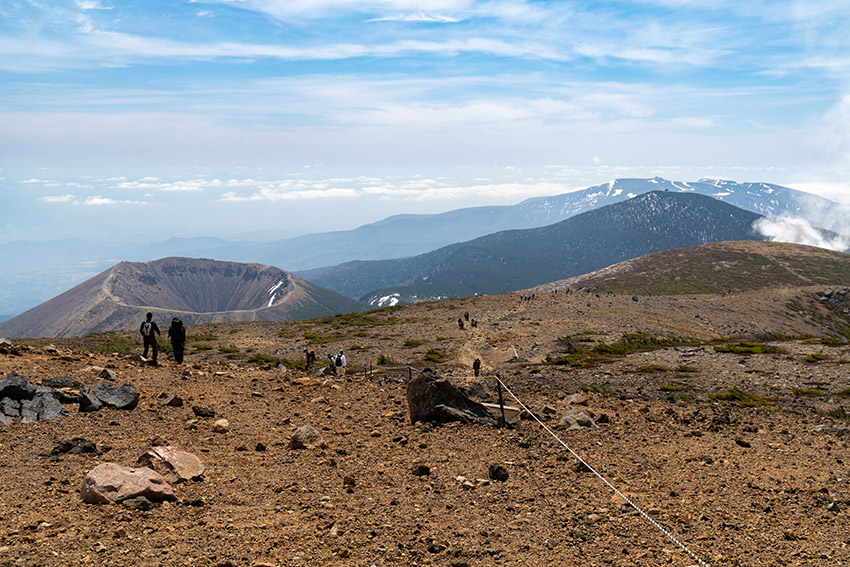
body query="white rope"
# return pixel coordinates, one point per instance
(603, 479)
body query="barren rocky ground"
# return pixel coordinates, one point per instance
(723, 449)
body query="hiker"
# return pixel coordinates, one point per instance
(149, 330)
(339, 363)
(177, 335)
(466, 316)
(474, 322)
(476, 366)
(310, 355)
(460, 323)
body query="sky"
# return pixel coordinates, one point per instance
(151, 119)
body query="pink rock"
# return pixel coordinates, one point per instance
(174, 464)
(110, 482)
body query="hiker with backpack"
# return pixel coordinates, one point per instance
(177, 334)
(339, 363)
(310, 355)
(149, 330)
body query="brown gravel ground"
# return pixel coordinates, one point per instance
(738, 485)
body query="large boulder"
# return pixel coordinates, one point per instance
(10, 408)
(110, 482)
(47, 406)
(432, 398)
(118, 397)
(172, 463)
(16, 387)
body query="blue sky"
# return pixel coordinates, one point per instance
(151, 119)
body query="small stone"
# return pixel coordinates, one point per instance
(348, 480)
(221, 426)
(833, 507)
(304, 437)
(343, 552)
(201, 411)
(498, 472)
(435, 547)
(260, 447)
(743, 443)
(421, 470)
(108, 374)
(173, 401)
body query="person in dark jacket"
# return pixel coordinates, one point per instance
(149, 330)
(476, 366)
(177, 334)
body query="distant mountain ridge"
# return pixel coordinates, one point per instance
(717, 267)
(42, 270)
(517, 259)
(195, 290)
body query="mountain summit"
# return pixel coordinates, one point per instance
(196, 290)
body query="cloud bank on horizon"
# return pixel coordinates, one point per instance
(204, 117)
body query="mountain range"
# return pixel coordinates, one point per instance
(518, 259)
(195, 290)
(42, 270)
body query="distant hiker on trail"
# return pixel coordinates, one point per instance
(474, 323)
(460, 323)
(466, 316)
(310, 355)
(177, 334)
(338, 363)
(149, 330)
(476, 366)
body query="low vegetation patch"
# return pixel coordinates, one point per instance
(411, 343)
(201, 347)
(109, 342)
(228, 349)
(269, 361)
(435, 356)
(685, 368)
(649, 368)
(577, 355)
(815, 357)
(595, 389)
(201, 337)
(373, 318)
(808, 392)
(385, 360)
(838, 413)
(746, 347)
(234, 331)
(674, 387)
(742, 397)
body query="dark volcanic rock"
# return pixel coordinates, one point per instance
(120, 397)
(10, 408)
(201, 411)
(75, 446)
(66, 389)
(89, 402)
(432, 398)
(47, 406)
(16, 387)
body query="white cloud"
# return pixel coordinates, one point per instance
(91, 5)
(798, 231)
(97, 200)
(58, 198)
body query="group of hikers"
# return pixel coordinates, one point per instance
(176, 334)
(337, 361)
(463, 319)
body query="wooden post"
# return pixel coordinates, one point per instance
(501, 402)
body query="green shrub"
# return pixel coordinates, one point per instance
(815, 357)
(685, 368)
(411, 343)
(228, 349)
(742, 397)
(838, 413)
(201, 347)
(234, 331)
(201, 337)
(435, 356)
(109, 342)
(746, 347)
(808, 392)
(269, 361)
(652, 368)
(385, 360)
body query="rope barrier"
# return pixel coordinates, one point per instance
(643, 514)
